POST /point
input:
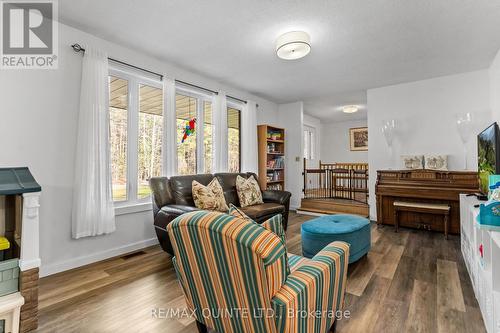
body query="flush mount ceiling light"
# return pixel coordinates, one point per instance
(350, 109)
(293, 45)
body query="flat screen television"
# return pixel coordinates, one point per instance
(488, 155)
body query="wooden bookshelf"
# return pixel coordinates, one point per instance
(271, 157)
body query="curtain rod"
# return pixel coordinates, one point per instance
(237, 99)
(78, 48)
(197, 87)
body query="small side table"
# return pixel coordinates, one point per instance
(10, 311)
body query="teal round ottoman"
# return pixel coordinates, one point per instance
(352, 229)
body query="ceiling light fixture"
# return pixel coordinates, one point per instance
(293, 45)
(350, 108)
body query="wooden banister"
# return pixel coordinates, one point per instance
(344, 165)
(336, 180)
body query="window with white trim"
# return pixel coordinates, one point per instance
(309, 142)
(136, 134)
(234, 139)
(195, 131)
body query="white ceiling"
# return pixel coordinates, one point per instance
(356, 44)
(329, 107)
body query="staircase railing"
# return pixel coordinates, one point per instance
(336, 181)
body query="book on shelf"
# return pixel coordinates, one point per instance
(274, 148)
(274, 175)
(275, 187)
(271, 149)
(276, 163)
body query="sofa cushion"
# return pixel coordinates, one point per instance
(248, 191)
(181, 187)
(228, 183)
(210, 197)
(255, 212)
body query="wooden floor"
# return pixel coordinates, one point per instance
(412, 281)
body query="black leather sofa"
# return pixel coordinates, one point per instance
(173, 197)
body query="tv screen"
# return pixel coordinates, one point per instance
(488, 158)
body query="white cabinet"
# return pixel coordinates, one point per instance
(484, 271)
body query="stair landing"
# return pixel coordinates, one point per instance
(334, 206)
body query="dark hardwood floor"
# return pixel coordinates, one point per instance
(412, 281)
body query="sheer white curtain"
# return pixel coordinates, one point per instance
(249, 156)
(93, 211)
(170, 144)
(220, 138)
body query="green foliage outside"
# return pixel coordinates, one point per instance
(150, 135)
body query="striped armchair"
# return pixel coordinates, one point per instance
(237, 277)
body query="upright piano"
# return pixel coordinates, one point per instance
(422, 186)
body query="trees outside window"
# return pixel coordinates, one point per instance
(208, 137)
(136, 135)
(118, 139)
(234, 139)
(194, 148)
(186, 110)
(150, 137)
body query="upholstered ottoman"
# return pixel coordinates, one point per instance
(321, 231)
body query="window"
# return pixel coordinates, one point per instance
(194, 147)
(186, 116)
(309, 142)
(150, 137)
(234, 138)
(208, 135)
(118, 120)
(136, 134)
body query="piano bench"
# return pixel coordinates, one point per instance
(421, 207)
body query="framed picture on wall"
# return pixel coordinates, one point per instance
(358, 138)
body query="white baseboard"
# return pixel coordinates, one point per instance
(303, 212)
(46, 270)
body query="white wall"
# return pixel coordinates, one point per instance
(337, 149)
(38, 129)
(425, 115)
(291, 119)
(268, 116)
(316, 124)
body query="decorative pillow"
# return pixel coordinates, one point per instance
(436, 162)
(274, 224)
(413, 161)
(210, 197)
(248, 191)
